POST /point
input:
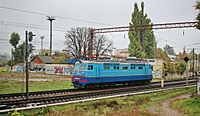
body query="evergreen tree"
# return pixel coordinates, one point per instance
(198, 17)
(18, 52)
(142, 41)
(14, 39)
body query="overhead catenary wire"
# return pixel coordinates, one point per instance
(3, 22)
(61, 17)
(36, 27)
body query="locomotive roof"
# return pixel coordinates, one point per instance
(114, 62)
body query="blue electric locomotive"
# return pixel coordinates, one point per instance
(96, 74)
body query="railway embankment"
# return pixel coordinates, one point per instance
(154, 104)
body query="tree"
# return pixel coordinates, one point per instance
(169, 50)
(160, 54)
(174, 67)
(142, 41)
(102, 45)
(181, 67)
(77, 42)
(18, 52)
(198, 16)
(14, 39)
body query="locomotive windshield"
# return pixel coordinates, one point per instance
(80, 67)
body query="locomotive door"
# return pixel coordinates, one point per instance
(97, 74)
(145, 70)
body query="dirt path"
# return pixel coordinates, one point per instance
(166, 109)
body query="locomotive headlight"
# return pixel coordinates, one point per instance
(77, 78)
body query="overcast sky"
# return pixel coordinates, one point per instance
(96, 14)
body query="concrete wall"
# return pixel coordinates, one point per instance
(157, 67)
(59, 69)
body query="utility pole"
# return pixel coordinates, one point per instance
(193, 61)
(29, 38)
(196, 65)
(41, 37)
(50, 18)
(90, 54)
(26, 60)
(11, 59)
(186, 59)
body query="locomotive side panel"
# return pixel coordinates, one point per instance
(97, 73)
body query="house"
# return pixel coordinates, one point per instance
(172, 57)
(121, 53)
(37, 63)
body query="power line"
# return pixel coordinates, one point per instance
(27, 26)
(61, 17)
(46, 36)
(49, 43)
(196, 43)
(36, 25)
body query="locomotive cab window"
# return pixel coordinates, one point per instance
(90, 67)
(151, 67)
(82, 67)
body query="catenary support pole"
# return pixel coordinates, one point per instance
(27, 71)
(50, 18)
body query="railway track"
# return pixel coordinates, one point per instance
(53, 93)
(9, 101)
(21, 96)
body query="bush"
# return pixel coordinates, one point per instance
(174, 67)
(14, 113)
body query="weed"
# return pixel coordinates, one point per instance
(133, 112)
(112, 103)
(44, 111)
(142, 101)
(14, 113)
(97, 104)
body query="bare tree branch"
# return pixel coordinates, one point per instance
(77, 42)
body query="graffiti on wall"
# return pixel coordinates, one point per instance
(60, 70)
(18, 68)
(157, 74)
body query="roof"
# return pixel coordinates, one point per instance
(110, 62)
(45, 59)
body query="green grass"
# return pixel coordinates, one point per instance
(156, 80)
(3, 69)
(10, 86)
(5, 73)
(190, 106)
(170, 79)
(132, 105)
